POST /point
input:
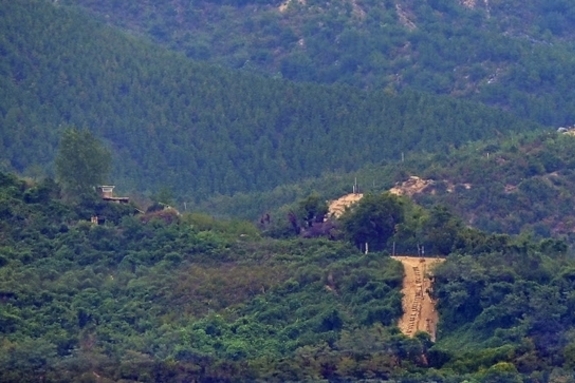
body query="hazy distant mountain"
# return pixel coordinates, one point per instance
(514, 54)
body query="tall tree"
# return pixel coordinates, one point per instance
(82, 162)
(313, 209)
(442, 230)
(373, 220)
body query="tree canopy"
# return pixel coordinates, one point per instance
(373, 220)
(198, 129)
(82, 162)
(165, 297)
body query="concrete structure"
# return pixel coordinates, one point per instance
(107, 194)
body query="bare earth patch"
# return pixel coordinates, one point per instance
(413, 185)
(418, 308)
(337, 207)
(404, 18)
(419, 312)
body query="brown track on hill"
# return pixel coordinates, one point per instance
(419, 312)
(418, 308)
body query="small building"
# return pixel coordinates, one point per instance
(107, 194)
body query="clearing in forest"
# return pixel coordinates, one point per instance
(419, 312)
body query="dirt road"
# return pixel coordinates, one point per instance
(418, 308)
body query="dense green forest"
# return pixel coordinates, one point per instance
(517, 55)
(160, 296)
(93, 291)
(198, 129)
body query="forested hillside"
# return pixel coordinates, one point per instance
(514, 54)
(160, 297)
(93, 291)
(519, 185)
(198, 129)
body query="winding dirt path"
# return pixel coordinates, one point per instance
(418, 308)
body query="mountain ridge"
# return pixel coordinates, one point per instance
(510, 54)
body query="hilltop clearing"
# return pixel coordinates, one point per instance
(410, 187)
(509, 186)
(416, 185)
(338, 206)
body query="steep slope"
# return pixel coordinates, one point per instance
(514, 54)
(195, 129)
(419, 311)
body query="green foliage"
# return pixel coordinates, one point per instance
(82, 163)
(442, 230)
(373, 220)
(505, 310)
(313, 209)
(144, 298)
(233, 228)
(202, 130)
(490, 186)
(516, 55)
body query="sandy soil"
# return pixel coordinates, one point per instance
(338, 206)
(414, 185)
(418, 308)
